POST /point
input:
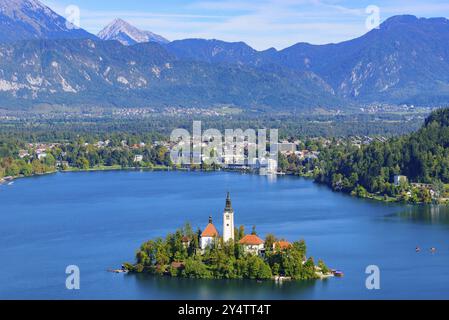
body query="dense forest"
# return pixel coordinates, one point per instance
(422, 156)
(42, 128)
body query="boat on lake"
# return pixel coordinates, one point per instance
(338, 273)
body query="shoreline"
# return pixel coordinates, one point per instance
(373, 197)
(73, 170)
(6, 180)
(274, 279)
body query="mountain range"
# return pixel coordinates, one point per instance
(106, 73)
(43, 59)
(30, 19)
(127, 34)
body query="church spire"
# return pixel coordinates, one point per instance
(228, 204)
(228, 221)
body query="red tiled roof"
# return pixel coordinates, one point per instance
(177, 265)
(251, 240)
(283, 245)
(210, 231)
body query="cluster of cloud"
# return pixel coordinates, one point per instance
(262, 23)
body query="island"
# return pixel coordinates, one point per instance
(234, 255)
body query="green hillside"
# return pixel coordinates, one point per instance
(423, 157)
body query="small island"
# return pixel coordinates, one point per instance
(235, 255)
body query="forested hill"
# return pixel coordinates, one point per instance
(422, 156)
(441, 117)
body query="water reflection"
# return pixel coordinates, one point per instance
(178, 288)
(430, 214)
(272, 178)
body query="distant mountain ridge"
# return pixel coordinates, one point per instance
(405, 61)
(30, 19)
(217, 51)
(106, 73)
(46, 60)
(127, 34)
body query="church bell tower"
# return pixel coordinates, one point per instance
(228, 221)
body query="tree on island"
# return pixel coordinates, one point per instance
(270, 240)
(240, 233)
(179, 255)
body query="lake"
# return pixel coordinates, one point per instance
(97, 221)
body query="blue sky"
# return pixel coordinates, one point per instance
(260, 23)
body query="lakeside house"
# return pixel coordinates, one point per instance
(23, 154)
(253, 244)
(41, 156)
(286, 147)
(399, 180)
(138, 158)
(62, 164)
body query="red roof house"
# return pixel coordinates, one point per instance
(251, 240)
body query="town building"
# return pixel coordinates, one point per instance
(41, 156)
(272, 167)
(138, 158)
(268, 167)
(252, 244)
(398, 180)
(62, 164)
(286, 147)
(23, 154)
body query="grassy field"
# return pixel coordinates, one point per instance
(97, 168)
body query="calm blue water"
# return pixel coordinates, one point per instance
(98, 220)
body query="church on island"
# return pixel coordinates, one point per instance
(199, 255)
(250, 243)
